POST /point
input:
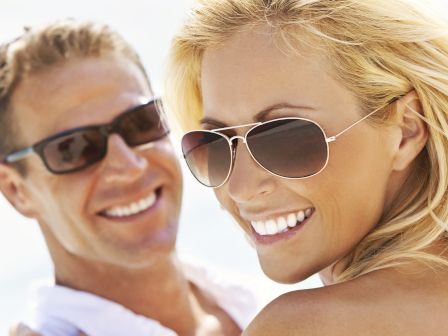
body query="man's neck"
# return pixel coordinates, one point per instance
(158, 291)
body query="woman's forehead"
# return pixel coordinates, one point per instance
(246, 80)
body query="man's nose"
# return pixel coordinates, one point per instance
(248, 179)
(122, 163)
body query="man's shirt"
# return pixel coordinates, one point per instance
(61, 311)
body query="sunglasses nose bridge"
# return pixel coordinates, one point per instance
(109, 129)
(237, 137)
(233, 144)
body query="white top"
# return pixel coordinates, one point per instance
(61, 311)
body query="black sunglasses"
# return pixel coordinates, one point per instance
(76, 149)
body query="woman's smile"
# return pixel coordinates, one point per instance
(274, 228)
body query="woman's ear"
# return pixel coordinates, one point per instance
(413, 130)
(13, 187)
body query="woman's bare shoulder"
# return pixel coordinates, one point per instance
(384, 303)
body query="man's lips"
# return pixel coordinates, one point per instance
(132, 208)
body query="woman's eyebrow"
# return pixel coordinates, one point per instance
(212, 122)
(260, 116)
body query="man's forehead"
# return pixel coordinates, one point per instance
(65, 98)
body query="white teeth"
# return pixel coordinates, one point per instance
(292, 220)
(261, 228)
(142, 203)
(133, 208)
(301, 216)
(281, 224)
(271, 227)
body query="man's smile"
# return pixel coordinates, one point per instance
(133, 208)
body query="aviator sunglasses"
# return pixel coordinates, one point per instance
(292, 147)
(76, 149)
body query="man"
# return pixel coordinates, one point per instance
(85, 153)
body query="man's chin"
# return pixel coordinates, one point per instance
(136, 256)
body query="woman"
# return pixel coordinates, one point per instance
(322, 126)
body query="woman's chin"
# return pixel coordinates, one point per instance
(284, 275)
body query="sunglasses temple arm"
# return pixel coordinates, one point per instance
(19, 155)
(334, 137)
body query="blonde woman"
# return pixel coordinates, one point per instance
(322, 125)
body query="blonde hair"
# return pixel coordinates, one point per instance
(47, 46)
(380, 50)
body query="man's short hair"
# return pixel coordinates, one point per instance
(44, 47)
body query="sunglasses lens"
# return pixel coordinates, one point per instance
(289, 147)
(75, 150)
(141, 125)
(208, 156)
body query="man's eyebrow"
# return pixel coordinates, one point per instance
(260, 116)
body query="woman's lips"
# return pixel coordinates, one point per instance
(281, 227)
